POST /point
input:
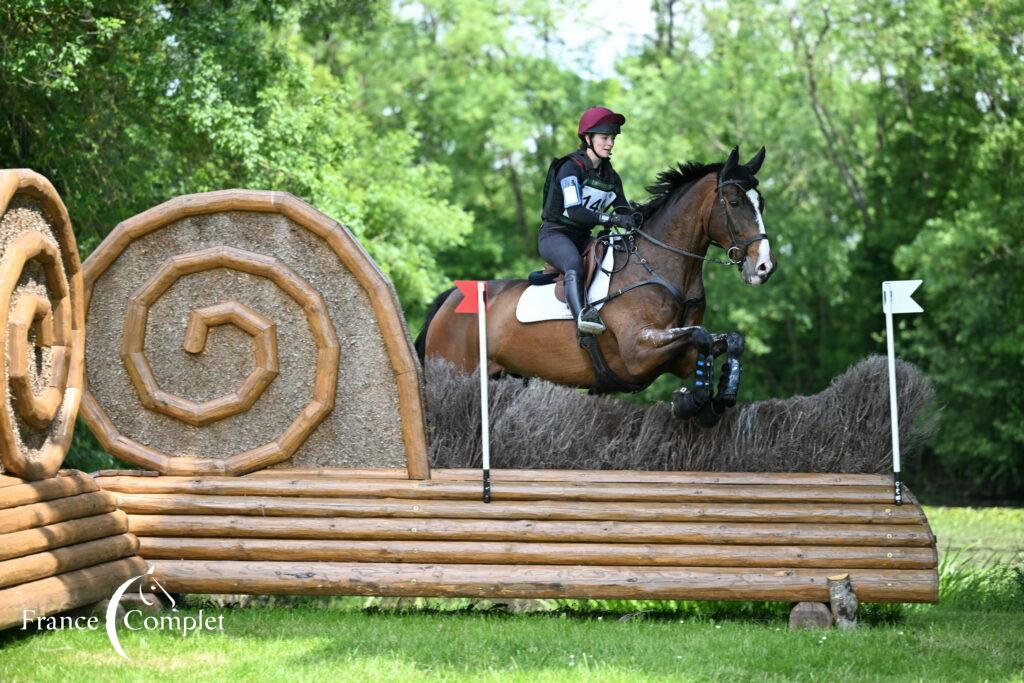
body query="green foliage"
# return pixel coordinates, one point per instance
(145, 102)
(893, 134)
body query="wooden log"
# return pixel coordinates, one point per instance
(66, 591)
(54, 511)
(269, 506)
(6, 481)
(125, 473)
(62, 534)
(810, 615)
(534, 581)
(62, 560)
(455, 552)
(47, 489)
(233, 526)
(458, 490)
(594, 476)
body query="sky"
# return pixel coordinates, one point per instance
(595, 33)
(612, 26)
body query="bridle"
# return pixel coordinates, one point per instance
(626, 242)
(735, 243)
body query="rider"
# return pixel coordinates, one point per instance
(583, 190)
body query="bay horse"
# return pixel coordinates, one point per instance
(656, 303)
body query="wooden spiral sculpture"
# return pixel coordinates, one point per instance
(42, 326)
(234, 330)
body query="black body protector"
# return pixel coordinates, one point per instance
(578, 196)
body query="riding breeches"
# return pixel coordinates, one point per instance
(561, 247)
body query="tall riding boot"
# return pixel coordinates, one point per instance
(588, 321)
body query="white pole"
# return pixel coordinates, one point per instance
(893, 410)
(485, 421)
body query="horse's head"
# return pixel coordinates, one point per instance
(735, 223)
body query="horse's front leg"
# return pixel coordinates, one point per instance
(688, 403)
(710, 412)
(732, 346)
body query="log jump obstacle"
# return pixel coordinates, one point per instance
(309, 526)
(63, 543)
(244, 349)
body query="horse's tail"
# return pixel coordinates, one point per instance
(421, 338)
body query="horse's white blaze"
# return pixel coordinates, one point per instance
(764, 250)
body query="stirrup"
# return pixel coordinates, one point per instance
(590, 322)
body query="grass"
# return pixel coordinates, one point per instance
(979, 535)
(975, 633)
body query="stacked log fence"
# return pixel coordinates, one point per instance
(594, 534)
(63, 544)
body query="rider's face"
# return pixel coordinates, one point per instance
(602, 144)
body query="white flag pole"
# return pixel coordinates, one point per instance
(485, 436)
(887, 306)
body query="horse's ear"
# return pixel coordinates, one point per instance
(754, 165)
(730, 163)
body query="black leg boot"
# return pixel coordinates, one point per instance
(588, 321)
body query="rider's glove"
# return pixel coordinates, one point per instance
(628, 219)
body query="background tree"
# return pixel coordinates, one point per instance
(893, 133)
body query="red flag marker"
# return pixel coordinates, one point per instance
(470, 296)
(474, 300)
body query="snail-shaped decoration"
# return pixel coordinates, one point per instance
(234, 330)
(41, 326)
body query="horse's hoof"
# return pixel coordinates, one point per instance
(687, 404)
(708, 417)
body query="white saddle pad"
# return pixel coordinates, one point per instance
(538, 302)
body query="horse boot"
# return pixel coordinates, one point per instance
(588, 321)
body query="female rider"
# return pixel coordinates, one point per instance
(583, 190)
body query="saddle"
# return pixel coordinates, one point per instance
(592, 255)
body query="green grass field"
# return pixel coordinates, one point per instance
(976, 633)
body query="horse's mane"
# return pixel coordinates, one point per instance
(674, 182)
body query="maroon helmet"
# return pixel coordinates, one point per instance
(600, 120)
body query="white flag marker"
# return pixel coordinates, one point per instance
(896, 299)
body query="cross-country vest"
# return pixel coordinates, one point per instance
(594, 193)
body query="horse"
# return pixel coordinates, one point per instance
(656, 307)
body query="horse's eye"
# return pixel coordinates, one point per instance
(734, 202)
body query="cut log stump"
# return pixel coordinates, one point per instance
(810, 615)
(843, 601)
